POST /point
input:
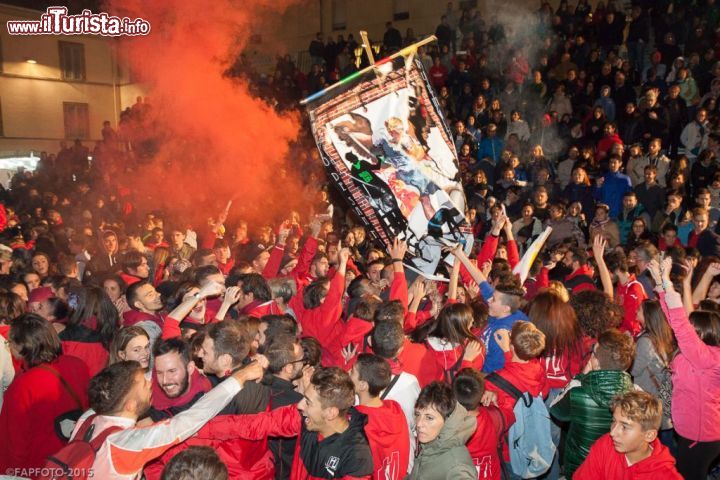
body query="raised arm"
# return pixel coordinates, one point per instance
(399, 286)
(130, 449)
(703, 285)
(699, 354)
(598, 248)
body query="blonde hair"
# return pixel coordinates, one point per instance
(559, 289)
(527, 341)
(640, 407)
(394, 124)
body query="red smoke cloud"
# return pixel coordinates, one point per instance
(217, 141)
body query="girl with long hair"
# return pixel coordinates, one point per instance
(656, 347)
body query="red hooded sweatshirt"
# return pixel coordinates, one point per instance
(448, 358)
(527, 377)
(389, 439)
(604, 461)
(483, 444)
(630, 296)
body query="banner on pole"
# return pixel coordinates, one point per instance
(386, 147)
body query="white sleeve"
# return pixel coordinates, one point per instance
(130, 449)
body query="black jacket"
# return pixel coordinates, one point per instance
(282, 393)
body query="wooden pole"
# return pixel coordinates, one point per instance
(402, 52)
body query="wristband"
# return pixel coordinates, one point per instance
(397, 260)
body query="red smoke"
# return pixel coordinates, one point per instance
(217, 141)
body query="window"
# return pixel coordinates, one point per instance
(339, 14)
(77, 121)
(72, 60)
(401, 9)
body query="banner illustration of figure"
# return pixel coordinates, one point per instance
(387, 148)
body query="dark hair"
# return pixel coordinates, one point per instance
(132, 260)
(469, 386)
(615, 350)
(334, 387)
(255, 283)
(93, 302)
(199, 254)
(579, 255)
(201, 273)
(110, 387)
(279, 325)
(391, 311)
(229, 338)
(596, 312)
(196, 462)
(366, 307)
(280, 351)
(314, 293)
(439, 396)
(616, 260)
(387, 339)
(11, 307)
(35, 339)
(374, 370)
(658, 330)
(121, 339)
(131, 294)
(453, 324)
(177, 345)
(117, 279)
(311, 350)
(181, 290)
(707, 326)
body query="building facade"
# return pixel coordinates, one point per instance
(55, 87)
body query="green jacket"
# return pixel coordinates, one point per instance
(447, 457)
(585, 403)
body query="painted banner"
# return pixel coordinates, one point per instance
(386, 147)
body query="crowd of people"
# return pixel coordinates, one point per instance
(147, 345)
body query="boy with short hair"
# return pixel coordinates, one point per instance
(585, 402)
(504, 310)
(469, 387)
(386, 428)
(522, 369)
(631, 451)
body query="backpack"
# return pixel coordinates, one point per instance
(75, 460)
(529, 440)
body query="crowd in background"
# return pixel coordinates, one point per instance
(300, 348)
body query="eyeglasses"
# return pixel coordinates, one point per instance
(303, 360)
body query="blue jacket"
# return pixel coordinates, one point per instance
(490, 147)
(613, 191)
(495, 358)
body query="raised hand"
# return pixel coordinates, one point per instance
(398, 249)
(232, 295)
(598, 246)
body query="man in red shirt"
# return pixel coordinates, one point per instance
(629, 293)
(386, 429)
(469, 387)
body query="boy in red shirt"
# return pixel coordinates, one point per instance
(631, 451)
(386, 428)
(469, 387)
(522, 368)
